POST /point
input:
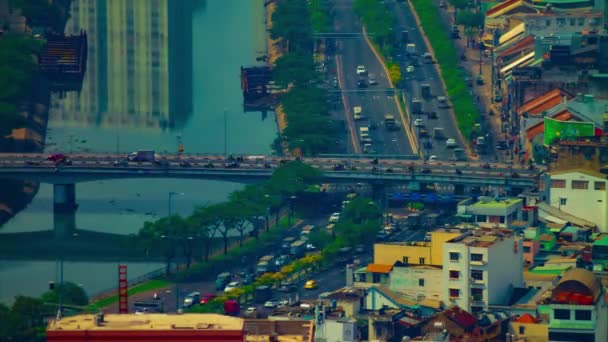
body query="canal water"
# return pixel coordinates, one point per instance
(159, 73)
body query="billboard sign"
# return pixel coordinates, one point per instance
(555, 129)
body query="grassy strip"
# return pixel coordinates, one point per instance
(149, 285)
(447, 57)
(248, 246)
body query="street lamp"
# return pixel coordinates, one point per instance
(171, 194)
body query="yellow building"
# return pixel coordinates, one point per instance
(416, 253)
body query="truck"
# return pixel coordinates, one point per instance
(425, 90)
(416, 107)
(221, 280)
(298, 248)
(410, 49)
(357, 113)
(438, 133)
(265, 264)
(390, 123)
(231, 307)
(143, 156)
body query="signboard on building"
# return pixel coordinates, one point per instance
(555, 129)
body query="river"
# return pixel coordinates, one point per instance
(159, 72)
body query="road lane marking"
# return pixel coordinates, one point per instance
(351, 125)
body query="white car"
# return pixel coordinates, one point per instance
(451, 143)
(361, 70)
(433, 158)
(232, 286)
(271, 304)
(335, 217)
(418, 123)
(372, 80)
(410, 68)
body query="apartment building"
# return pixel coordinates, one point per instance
(492, 212)
(482, 268)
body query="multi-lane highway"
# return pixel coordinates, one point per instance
(373, 99)
(424, 73)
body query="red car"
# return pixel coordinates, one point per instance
(57, 157)
(208, 297)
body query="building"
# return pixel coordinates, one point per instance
(475, 273)
(417, 282)
(493, 212)
(337, 330)
(415, 253)
(149, 327)
(528, 328)
(175, 328)
(576, 309)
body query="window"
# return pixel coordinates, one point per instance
(375, 278)
(454, 256)
(480, 218)
(580, 185)
(561, 314)
(572, 22)
(421, 282)
(522, 330)
(582, 315)
(558, 183)
(477, 275)
(581, 21)
(421, 261)
(454, 274)
(406, 260)
(599, 186)
(454, 293)
(562, 200)
(547, 22)
(477, 294)
(526, 249)
(502, 219)
(476, 257)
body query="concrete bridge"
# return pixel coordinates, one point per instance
(348, 169)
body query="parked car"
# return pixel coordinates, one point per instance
(207, 298)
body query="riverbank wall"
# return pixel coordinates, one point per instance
(274, 51)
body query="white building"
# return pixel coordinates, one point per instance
(493, 212)
(581, 193)
(417, 282)
(481, 268)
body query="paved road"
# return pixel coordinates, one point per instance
(374, 100)
(424, 73)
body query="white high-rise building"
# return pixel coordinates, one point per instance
(481, 268)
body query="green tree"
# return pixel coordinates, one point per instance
(206, 224)
(70, 293)
(318, 15)
(294, 68)
(320, 239)
(470, 19)
(293, 178)
(291, 21)
(362, 210)
(29, 314)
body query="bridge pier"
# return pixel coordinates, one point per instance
(64, 225)
(64, 198)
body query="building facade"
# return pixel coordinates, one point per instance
(482, 268)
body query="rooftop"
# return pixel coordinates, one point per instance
(278, 330)
(483, 237)
(601, 242)
(379, 268)
(148, 322)
(540, 104)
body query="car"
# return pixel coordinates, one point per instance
(209, 165)
(433, 158)
(451, 143)
(271, 304)
(338, 167)
(56, 157)
(310, 247)
(192, 299)
(231, 165)
(361, 70)
(443, 4)
(32, 162)
(287, 286)
(121, 162)
(419, 123)
(360, 249)
(185, 163)
(361, 84)
(207, 298)
(232, 286)
(423, 132)
(335, 217)
(410, 68)
(310, 285)
(372, 80)
(426, 170)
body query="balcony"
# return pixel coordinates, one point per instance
(477, 263)
(476, 299)
(477, 281)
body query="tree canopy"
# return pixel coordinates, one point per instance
(71, 294)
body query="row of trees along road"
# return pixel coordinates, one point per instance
(309, 125)
(360, 222)
(246, 210)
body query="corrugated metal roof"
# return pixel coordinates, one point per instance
(379, 268)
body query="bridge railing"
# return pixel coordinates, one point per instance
(142, 278)
(368, 156)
